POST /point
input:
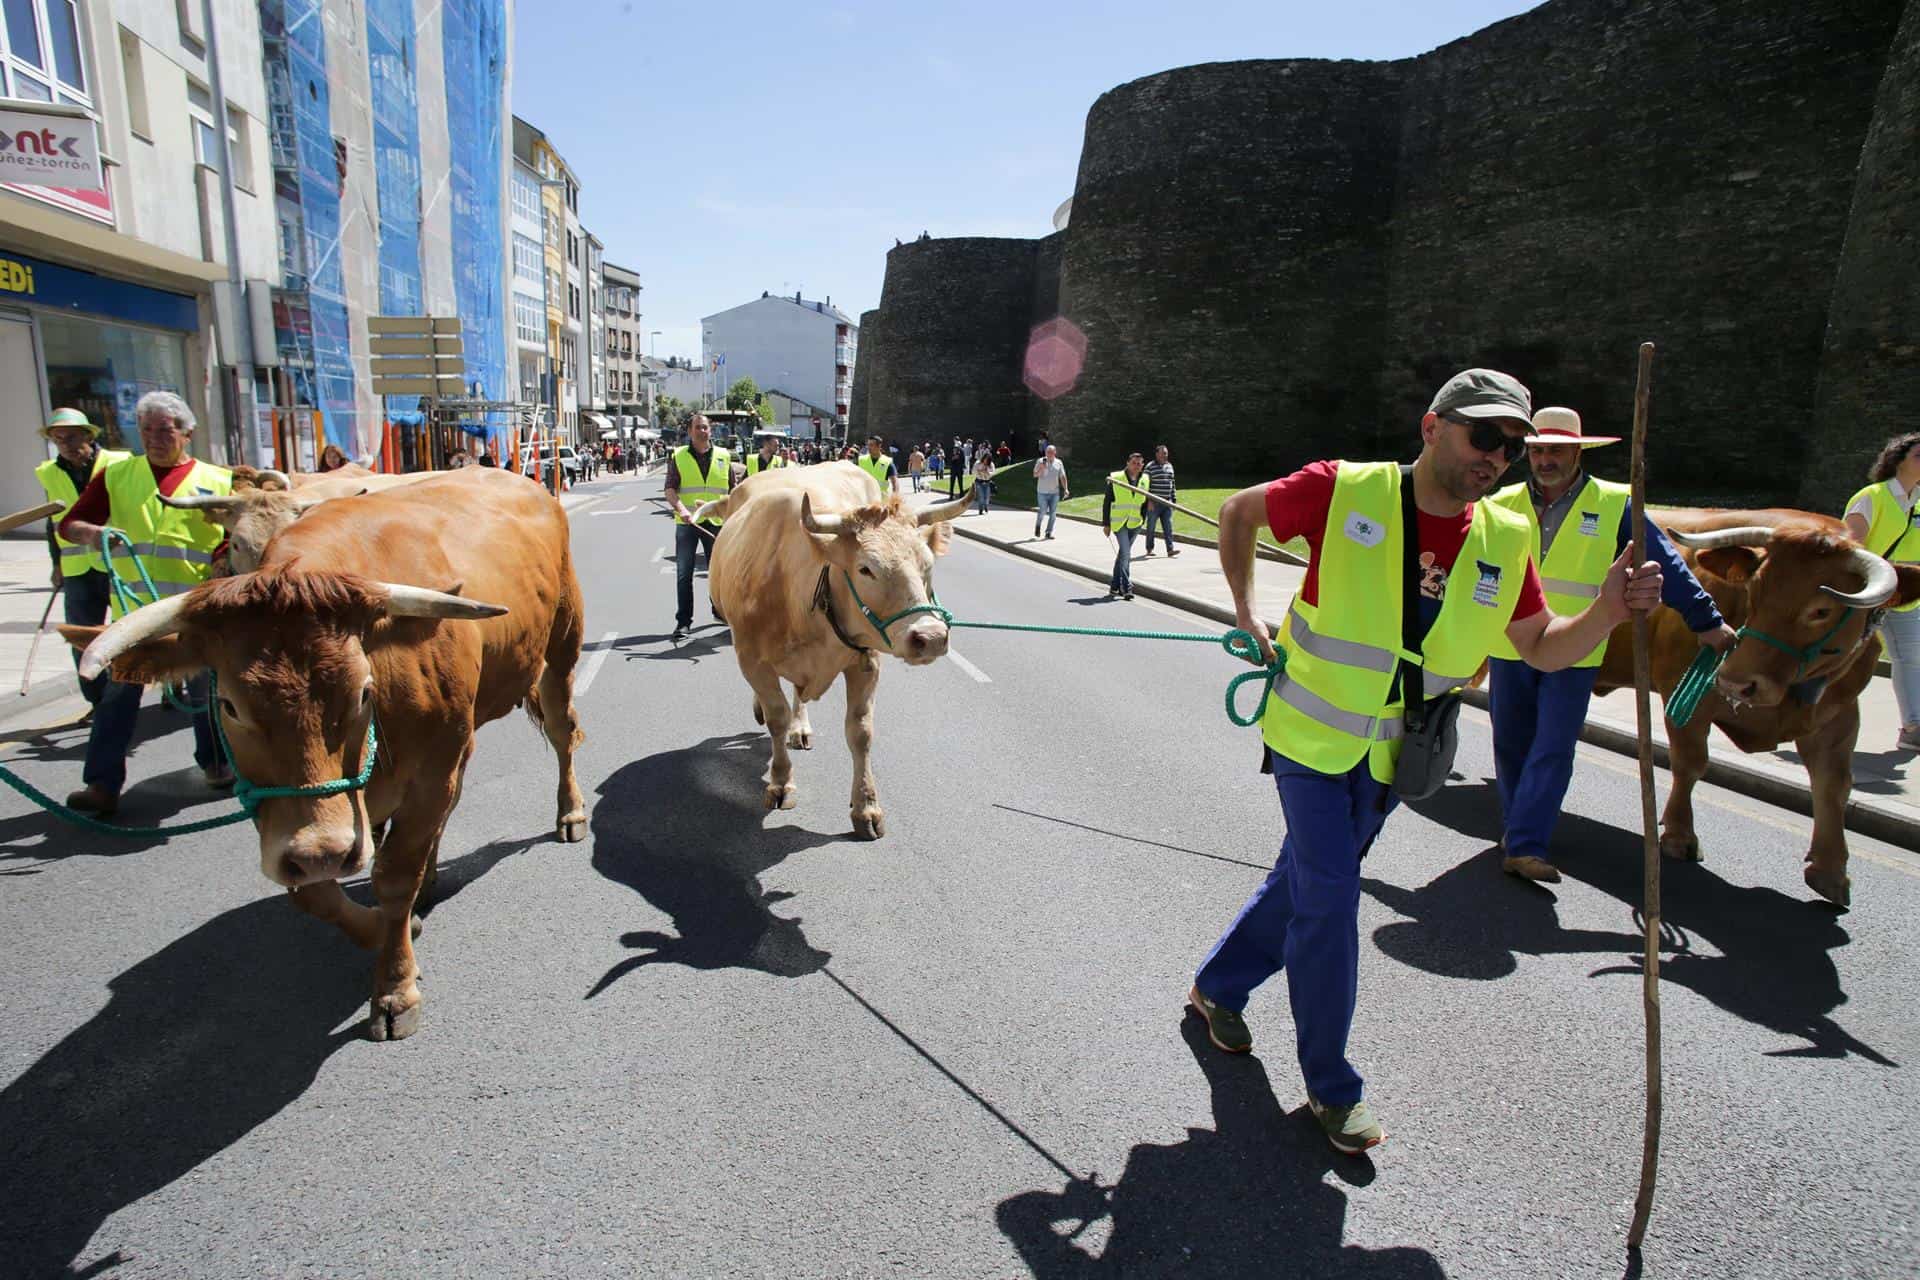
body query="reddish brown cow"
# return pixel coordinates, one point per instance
(1796, 577)
(433, 610)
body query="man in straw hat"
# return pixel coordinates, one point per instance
(1334, 722)
(78, 572)
(1579, 523)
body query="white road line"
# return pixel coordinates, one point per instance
(968, 667)
(665, 569)
(584, 681)
(619, 512)
(659, 555)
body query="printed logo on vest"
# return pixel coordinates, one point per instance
(1364, 530)
(1487, 590)
(1589, 524)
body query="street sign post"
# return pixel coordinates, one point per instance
(421, 356)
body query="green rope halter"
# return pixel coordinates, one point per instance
(251, 795)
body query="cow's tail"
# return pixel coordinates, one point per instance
(531, 702)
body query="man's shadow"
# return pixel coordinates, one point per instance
(199, 1044)
(1247, 1198)
(706, 843)
(1774, 968)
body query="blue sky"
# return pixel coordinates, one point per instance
(728, 148)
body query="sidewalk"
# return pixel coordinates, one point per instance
(24, 589)
(1886, 783)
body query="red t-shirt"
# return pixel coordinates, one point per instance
(1297, 507)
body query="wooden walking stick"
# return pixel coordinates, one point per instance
(32, 649)
(1650, 884)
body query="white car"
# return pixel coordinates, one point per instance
(568, 459)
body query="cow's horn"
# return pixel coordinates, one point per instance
(1749, 535)
(202, 501)
(944, 511)
(1882, 581)
(421, 602)
(829, 524)
(265, 474)
(148, 622)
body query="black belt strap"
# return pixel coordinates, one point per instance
(823, 602)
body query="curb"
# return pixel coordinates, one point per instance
(1864, 816)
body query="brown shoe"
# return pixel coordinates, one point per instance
(1528, 867)
(94, 798)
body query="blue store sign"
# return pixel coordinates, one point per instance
(24, 279)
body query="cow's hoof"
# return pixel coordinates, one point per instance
(870, 825)
(782, 797)
(1684, 848)
(572, 827)
(1835, 886)
(800, 739)
(392, 1019)
(414, 925)
(759, 716)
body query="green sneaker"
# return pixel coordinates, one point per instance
(1350, 1129)
(1225, 1027)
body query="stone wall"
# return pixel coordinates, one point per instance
(1276, 261)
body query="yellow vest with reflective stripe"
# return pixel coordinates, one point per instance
(1893, 533)
(1335, 703)
(176, 546)
(877, 468)
(696, 488)
(1127, 517)
(58, 486)
(755, 466)
(1582, 552)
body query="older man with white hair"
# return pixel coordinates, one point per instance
(177, 548)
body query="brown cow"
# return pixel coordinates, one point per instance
(343, 621)
(246, 477)
(782, 573)
(1797, 577)
(253, 516)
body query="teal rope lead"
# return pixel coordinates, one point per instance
(129, 601)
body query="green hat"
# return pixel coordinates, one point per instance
(70, 418)
(1484, 393)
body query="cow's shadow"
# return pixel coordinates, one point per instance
(1774, 966)
(706, 844)
(198, 1044)
(1249, 1197)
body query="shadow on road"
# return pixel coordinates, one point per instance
(1773, 968)
(706, 846)
(1246, 1198)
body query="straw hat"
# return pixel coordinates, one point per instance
(69, 418)
(1562, 426)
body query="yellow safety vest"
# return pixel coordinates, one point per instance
(877, 468)
(74, 558)
(176, 546)
(1892, 533)
(1128, 517)
(1332, 707)
(754, 465)
(696, 488)
(1582, 552)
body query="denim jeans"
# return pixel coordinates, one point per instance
(688, 542)
(1164, 516)
(111, 737)
(84, 601)
(1900, 634)
(1537, 717)
(982, 495)
(1123, 560)
(1048, 510)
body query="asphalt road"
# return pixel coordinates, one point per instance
(715, 1041)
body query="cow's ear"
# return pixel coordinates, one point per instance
(838, 549)
(78, 637)
(1909, 585)
(939, 536)
(157, 661)
(1734, 564)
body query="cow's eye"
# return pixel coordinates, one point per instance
(866, 571)
(366, 697)
(226, 709)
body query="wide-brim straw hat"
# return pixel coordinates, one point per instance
(69, 418)
(1562, 426)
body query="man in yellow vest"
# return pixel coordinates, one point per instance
(698, 472)
(877, 464)
(1123, 514)
(1333, 720)
(78, 572)
(768, 458)
(177, 548)
(1579, 523)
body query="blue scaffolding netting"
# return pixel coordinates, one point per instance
(474, 36)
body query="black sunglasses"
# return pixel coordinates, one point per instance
(1485, 435)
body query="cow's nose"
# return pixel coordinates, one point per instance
(315, 854)
(1757, 690)
(926, 643)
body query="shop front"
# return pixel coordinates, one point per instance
(72, 338)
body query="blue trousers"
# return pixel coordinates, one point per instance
(688, 543)
(1047, 508)
(1305, 918)
(111, 736)
(1536, 722)
(84, 602)
(1162, 515)
(1122, 579)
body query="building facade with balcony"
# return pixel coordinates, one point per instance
(627, 386)
(526, 226)
(804, 348)
(560, 226)
(595, 327)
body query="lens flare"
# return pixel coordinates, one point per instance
(1056, 352)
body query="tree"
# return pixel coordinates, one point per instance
(667, 410)
(743, 394)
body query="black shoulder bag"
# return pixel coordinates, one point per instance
(1432, 729)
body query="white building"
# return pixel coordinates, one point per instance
(793, 345)
(527, 250)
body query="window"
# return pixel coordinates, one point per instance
(526, 258)
(240, 139)
(44, 57)
(526, 197)
(133, 65)
(610, 345)
(526, 319)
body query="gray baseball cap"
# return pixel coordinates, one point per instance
(1484, 393)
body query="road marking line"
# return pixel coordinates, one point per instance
(621, 512)
(584, 681)
(665, 569)
(969, 668)
(659, 555)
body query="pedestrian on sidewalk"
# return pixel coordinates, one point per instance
(1160, 480)
(79, 574)
(1049, 488)
(177, 547)
(699, 472)
(1332, 725)
(1580, 524)
(880, 466)
(1882, 518)
(1121, 518)
(957, 463)
(917, 470)
(982, 480)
